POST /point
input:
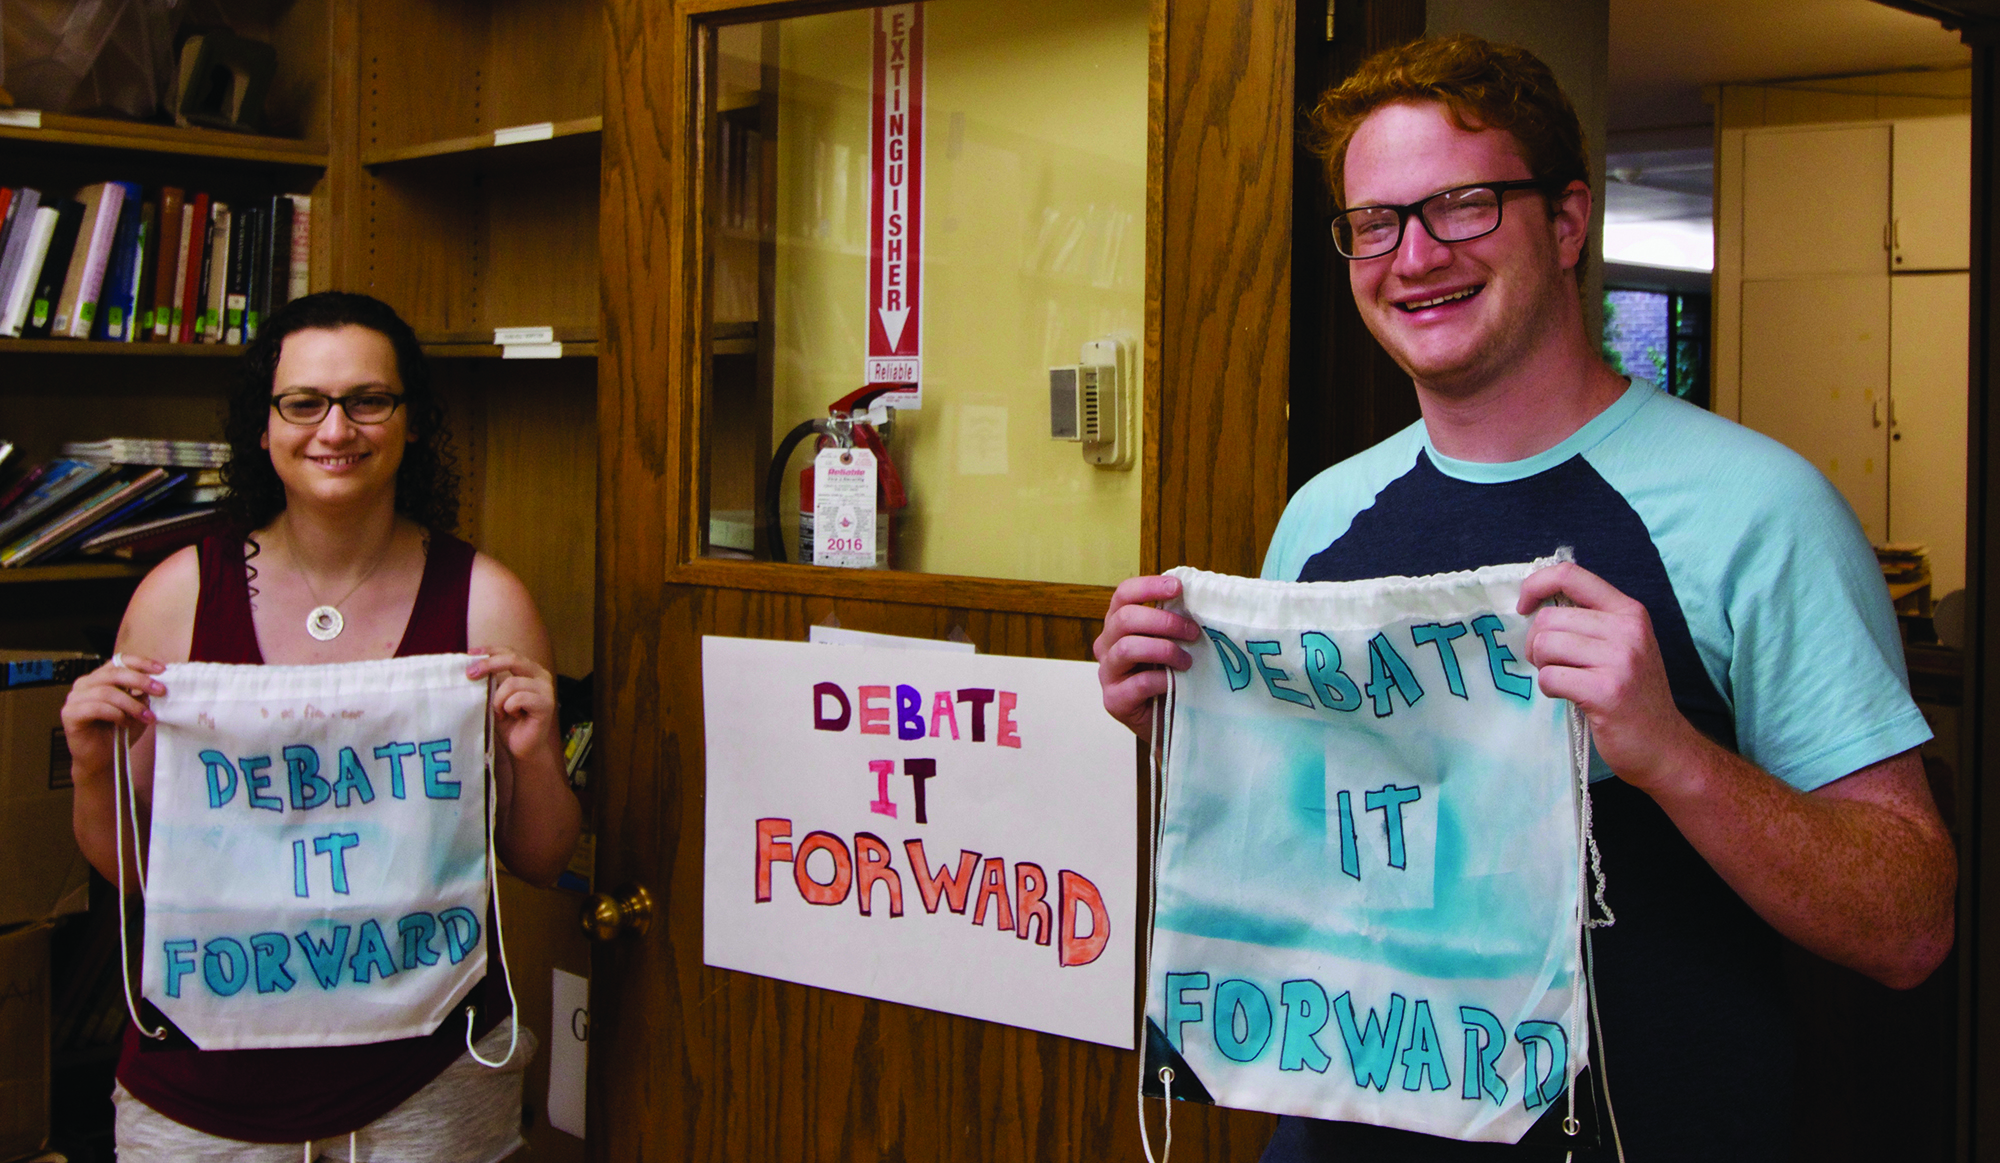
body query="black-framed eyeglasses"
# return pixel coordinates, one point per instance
(1459, 214)
(312, 407)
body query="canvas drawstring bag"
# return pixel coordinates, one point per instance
(1371, 859)
(320, 858)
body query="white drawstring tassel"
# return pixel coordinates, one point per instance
(121, 783)
(493, 893)
(1163, 711)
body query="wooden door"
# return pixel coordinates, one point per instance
(694, 1063)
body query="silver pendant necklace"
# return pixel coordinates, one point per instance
(323, 621)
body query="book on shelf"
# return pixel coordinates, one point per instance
(113, 309)
(301, 246)
(28, 480)
(17, 293)
(167, 263)
(16, 222)
(123, 511)
(55, 270)
(156, 536)
(85, 281)
(278, 260)
(139, 325)
(236, 284)
(60, 480)
(125, 484)
(195, 246)
(149, 451)
(215, 275)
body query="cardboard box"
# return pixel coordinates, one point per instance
(42, 872)
(24, 1040)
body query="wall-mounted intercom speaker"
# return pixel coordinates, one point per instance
(1094, 403)
(1065, 405)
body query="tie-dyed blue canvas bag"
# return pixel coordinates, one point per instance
(1370, 873)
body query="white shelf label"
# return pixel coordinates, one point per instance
(516, 134)
(21, 118)
(506, 335)
(531, 351)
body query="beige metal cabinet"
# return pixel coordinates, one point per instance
(1824, 342)
(1932, 195)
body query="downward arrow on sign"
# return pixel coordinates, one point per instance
(892, 325)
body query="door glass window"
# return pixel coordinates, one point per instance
(927, 226)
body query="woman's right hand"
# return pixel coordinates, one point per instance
(117, 692)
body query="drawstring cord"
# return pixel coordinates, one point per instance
(493, 892)
(351, 1155)
(121, 784)
(1162, 737)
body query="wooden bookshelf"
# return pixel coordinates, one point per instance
(586, 349)
(73, 572)
(94, 348)
(134, 137)
(567, 141)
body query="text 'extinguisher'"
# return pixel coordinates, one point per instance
(850, 493)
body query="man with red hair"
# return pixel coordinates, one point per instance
(1726, 633)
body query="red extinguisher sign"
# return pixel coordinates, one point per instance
(895, 209)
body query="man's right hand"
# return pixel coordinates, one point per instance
(1139, 640)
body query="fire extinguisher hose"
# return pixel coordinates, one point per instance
(774, 485)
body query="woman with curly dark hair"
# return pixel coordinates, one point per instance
(342, 484)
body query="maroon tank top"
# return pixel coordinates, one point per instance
(289, 1096)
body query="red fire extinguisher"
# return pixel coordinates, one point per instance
(844, 427)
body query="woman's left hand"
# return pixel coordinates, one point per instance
(524, 699)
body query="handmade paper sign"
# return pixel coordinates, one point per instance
(1369, 879)
(952, 831)
(318, 866)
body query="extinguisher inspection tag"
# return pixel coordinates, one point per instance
(844, 508)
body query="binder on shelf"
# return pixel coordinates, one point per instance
(171, 258)
(85, 280)
(55, 270)
(18, 293)
(194, 245)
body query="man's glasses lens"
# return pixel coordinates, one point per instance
(361, 408)
(1458, 215)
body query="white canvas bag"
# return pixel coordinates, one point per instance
(319, 864)
(1370, 868)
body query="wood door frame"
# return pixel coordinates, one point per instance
(1216, 343)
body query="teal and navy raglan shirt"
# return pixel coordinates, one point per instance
(1779, 642)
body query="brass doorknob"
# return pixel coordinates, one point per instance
(629, 910)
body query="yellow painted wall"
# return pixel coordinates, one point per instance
(1034, 243)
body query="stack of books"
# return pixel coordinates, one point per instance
(127, 498)
(120, 263)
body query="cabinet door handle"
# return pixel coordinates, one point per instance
(1876, 409)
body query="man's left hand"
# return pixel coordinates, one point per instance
(1600, 654)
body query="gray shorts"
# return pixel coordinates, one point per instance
(468, 1114)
